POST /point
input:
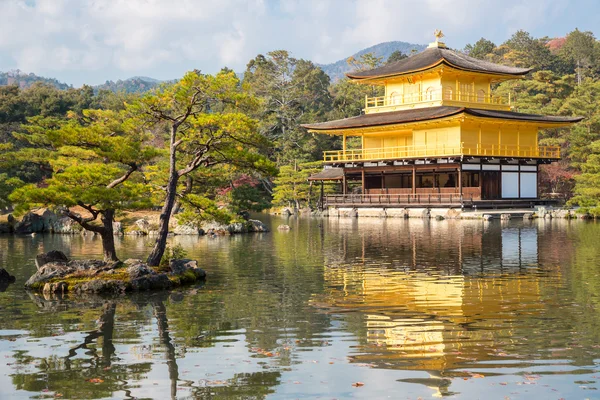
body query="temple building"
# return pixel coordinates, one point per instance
(438, 136)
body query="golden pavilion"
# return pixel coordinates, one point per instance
(438, 136)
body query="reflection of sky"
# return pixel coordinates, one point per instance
(519, 247)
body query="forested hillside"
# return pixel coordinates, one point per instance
(338, 69)
(23, 80)
(277, 94)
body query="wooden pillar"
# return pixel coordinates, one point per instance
(382, 181)
(460, 184)
(344, 184)
(322, 194)
(414, 179)
(363, 181)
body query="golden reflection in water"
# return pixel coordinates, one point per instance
(437, 312)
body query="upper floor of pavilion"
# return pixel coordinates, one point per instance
(435, 77)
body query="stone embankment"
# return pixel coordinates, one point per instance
(451, 213)
(45, 221)
(56, 274)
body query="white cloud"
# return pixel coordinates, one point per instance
(95, 40)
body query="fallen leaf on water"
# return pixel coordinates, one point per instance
(358, 384)
(95, 380)
(478, 376)
(58, 395)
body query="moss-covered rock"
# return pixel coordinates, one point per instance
(98, 277)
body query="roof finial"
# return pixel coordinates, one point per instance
(438, 35)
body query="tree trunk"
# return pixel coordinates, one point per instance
(108, 238)
(165, 215)
(188, 189)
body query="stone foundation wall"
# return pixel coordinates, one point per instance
(448, 213)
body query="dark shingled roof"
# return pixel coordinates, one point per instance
(432, 57)
(429, 113)
(328, 174)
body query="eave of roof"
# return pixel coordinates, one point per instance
(328, 174)
(431, 58)
(433, 113)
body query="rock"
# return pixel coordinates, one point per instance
(5, 277)
(56, 288)
(487, 217)
(64, 225)
(117, 228)
(5, 227)
(237, 227)
(98, 286)
(286, 211)
(426, 213)
(61, 269)
(505, 217)
(284, 227)
(179, 267)
(50, 257)
(214, 228)
(151, 282)
(31, 223)
(11, 219)
(548, 215)
(585, 216)
(439, 218)
(200, 273)
(143, 226)
(565, 214)
(257, 226)
(138, 270)
(453, 213)
(528, 216)
(187, 229)
(245, 215)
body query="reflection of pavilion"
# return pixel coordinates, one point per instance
(436, 305)
(451, 247)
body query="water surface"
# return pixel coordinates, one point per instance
(363, 308)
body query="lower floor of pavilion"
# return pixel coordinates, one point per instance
(447, 182)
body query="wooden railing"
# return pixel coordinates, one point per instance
(440, 199)
(436, 95)
(403, 152)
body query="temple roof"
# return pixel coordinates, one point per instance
(430, 113)
(432, 57)
(328, 174)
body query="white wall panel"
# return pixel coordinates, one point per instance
(510, 185)
(528, 185)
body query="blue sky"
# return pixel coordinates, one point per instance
(91, 41)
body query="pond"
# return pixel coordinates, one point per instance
(338, 308)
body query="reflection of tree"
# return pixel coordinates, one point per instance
(70, 375)
(106, 325)
(160, 313)
(256, 385)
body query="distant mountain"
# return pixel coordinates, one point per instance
(24, 80)
(337, 69)
(136, 84)
(141, 84)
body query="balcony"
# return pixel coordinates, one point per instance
(432, 98)
(408, 152)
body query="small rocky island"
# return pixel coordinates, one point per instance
(56, 274)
